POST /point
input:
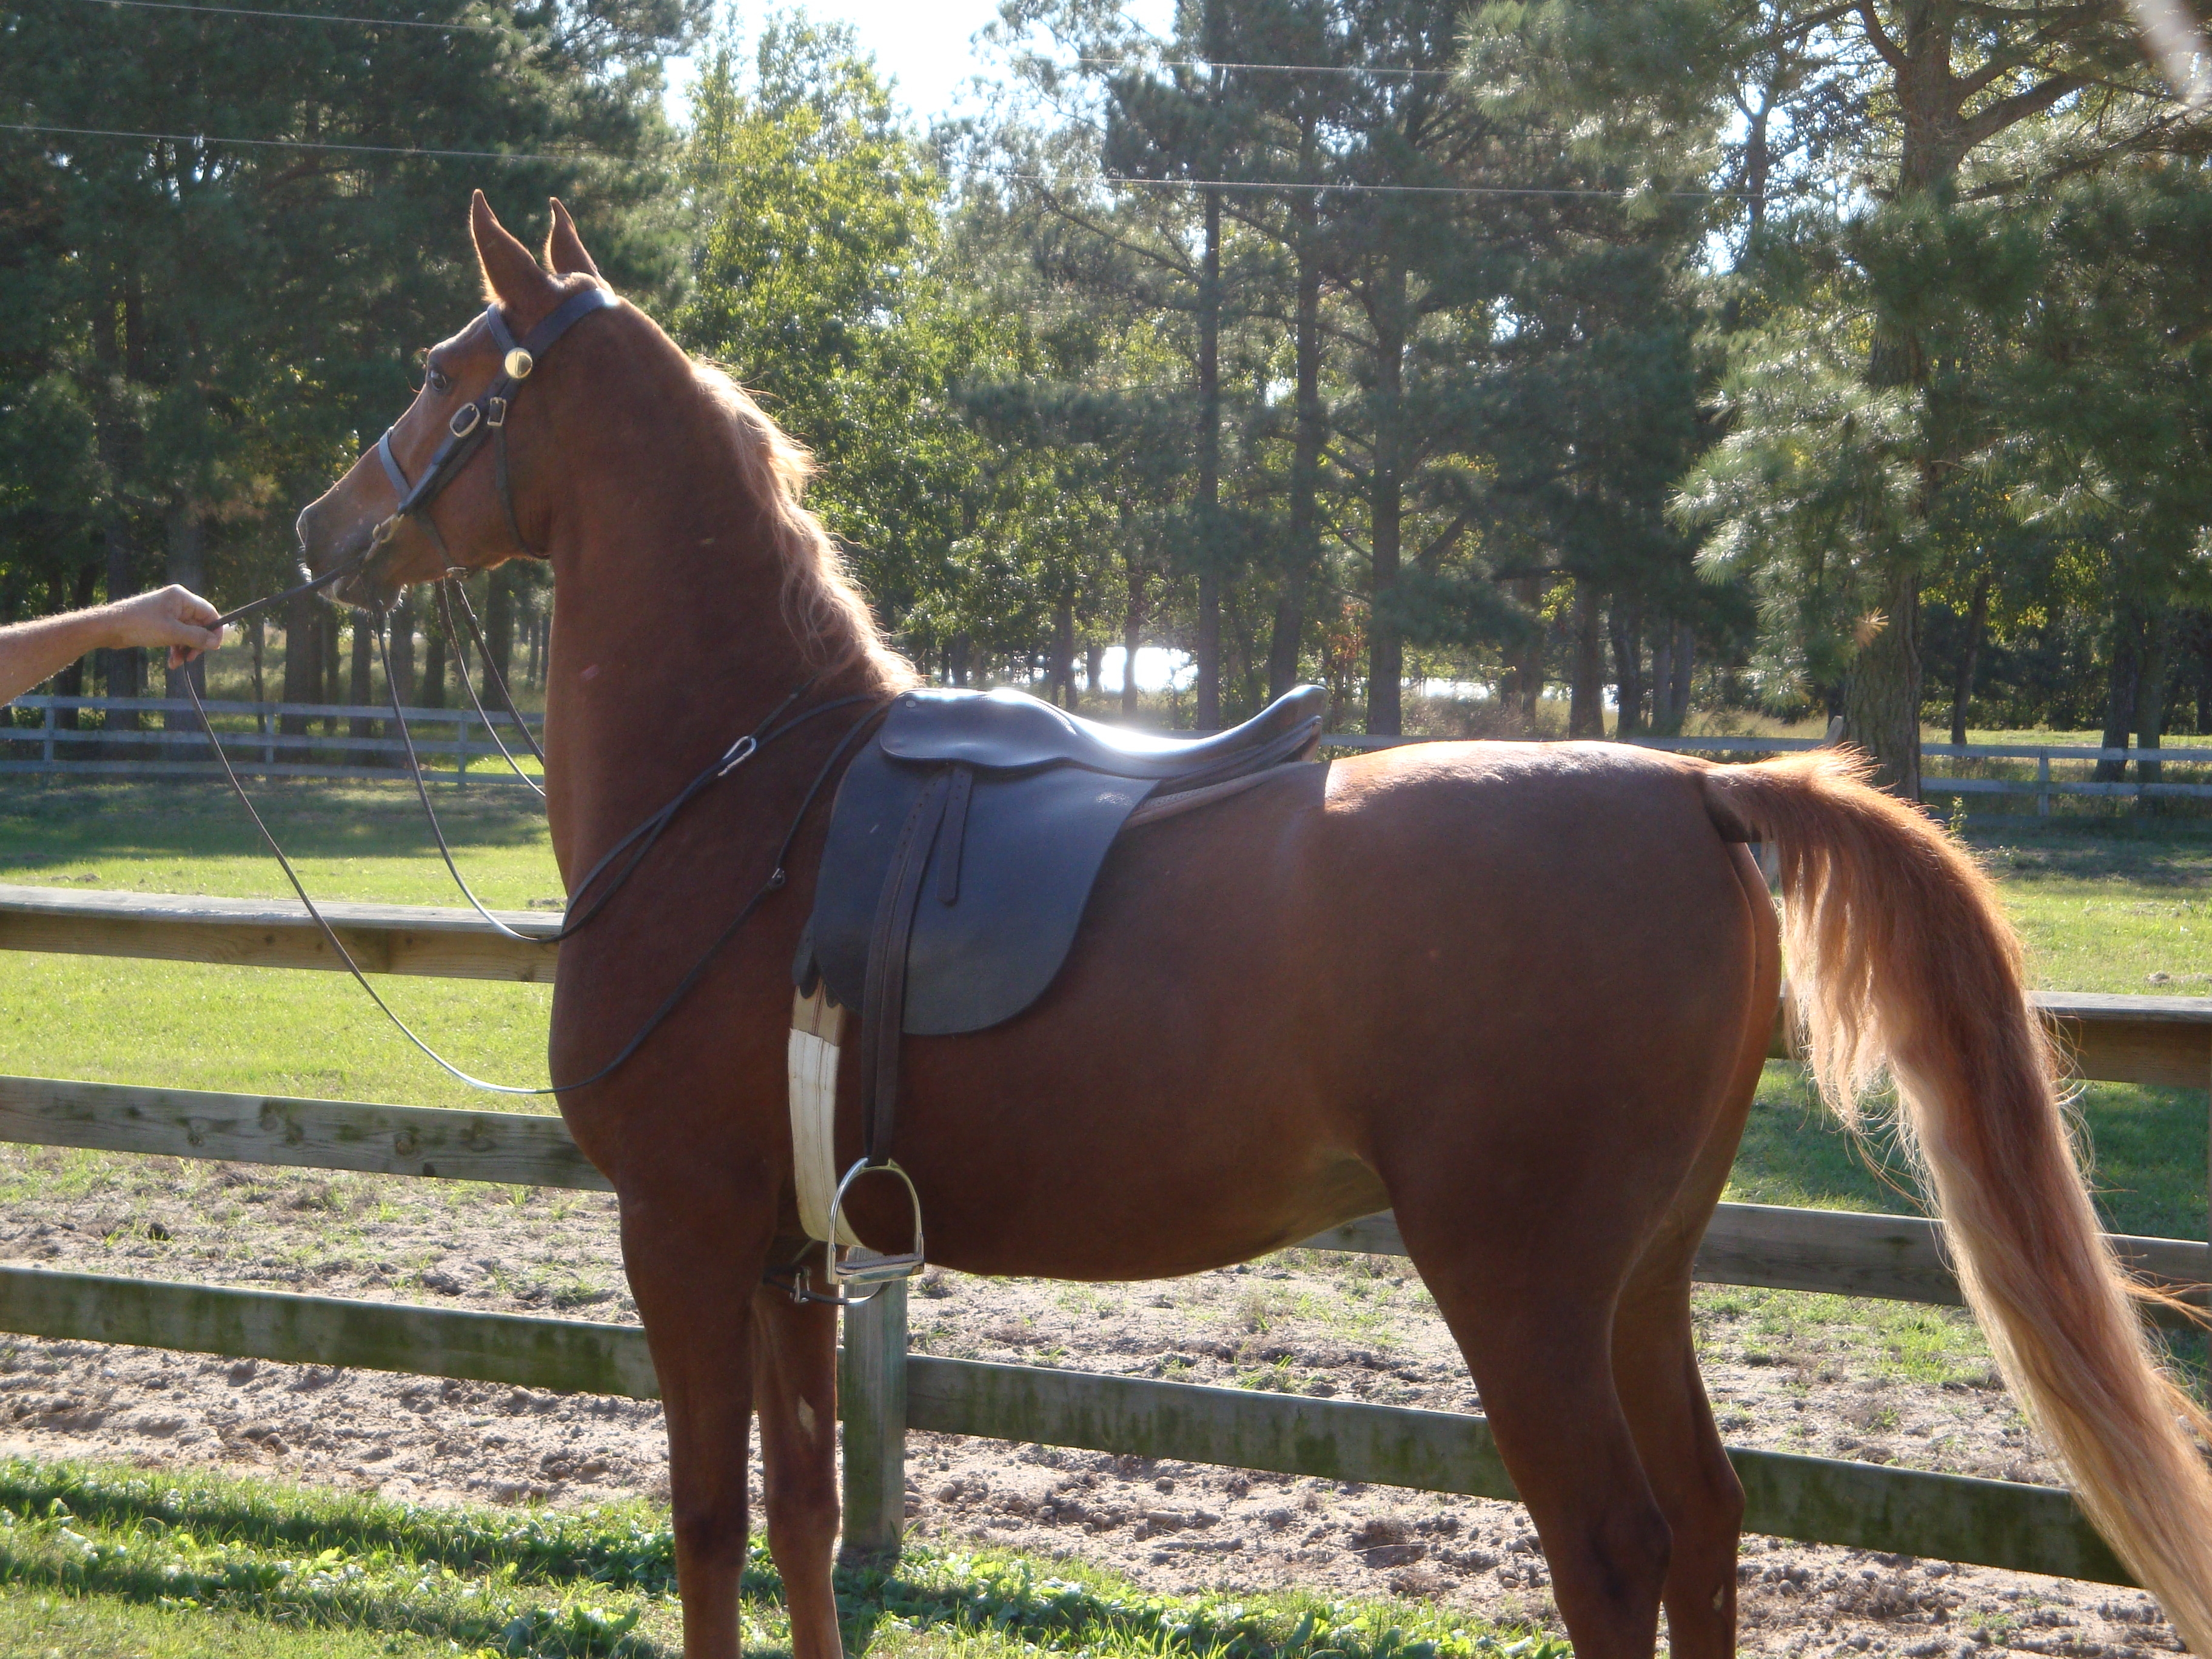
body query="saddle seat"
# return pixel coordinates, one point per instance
(1012, 731)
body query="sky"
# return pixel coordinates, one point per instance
(926, 46)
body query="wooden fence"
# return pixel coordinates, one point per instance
(885, 1390)
(449, 738)
(251, 738)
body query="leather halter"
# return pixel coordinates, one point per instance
(486, 417)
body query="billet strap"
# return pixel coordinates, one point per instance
(883, 1006)
(817, 1036)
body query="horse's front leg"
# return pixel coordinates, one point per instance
(795, 1387)
(694, 1252)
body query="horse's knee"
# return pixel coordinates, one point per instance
(1621, 1559)
(710, 1532)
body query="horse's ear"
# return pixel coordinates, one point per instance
(564, 249)
(511, 276)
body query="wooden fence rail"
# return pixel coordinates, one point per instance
(2166, 1041)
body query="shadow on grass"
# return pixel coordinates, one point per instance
(2146, 1170)
(45, 823)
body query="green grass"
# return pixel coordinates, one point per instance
(269, 1031)
(2105, 905)
(103, 1561)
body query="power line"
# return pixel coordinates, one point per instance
(1362, 190)
(301, 16)
(1112, 180)
(302, 143)
(1270, 69)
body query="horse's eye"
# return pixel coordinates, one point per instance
(440, 382)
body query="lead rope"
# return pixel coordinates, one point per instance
(776, 882)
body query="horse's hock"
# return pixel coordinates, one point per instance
(2161, 1041)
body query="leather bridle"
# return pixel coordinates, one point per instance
(466, 429)
(473, 424)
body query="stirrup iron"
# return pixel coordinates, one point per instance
(857, 1264)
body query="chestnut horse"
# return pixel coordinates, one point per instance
(1518, 993)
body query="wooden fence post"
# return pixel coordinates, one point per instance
(2043, 783)
(871, 1390)
(46, 728)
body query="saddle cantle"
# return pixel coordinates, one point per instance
(963, 843)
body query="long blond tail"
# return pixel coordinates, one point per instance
(1901, 962)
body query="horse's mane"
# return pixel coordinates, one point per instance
(835, 627)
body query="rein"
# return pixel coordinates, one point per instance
(721, 766)
(466, 433)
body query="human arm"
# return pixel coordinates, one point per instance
(175, 616)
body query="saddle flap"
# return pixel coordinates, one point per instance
(1018, 876)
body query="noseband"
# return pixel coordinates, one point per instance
(473, 422)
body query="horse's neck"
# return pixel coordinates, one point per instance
(669, 643)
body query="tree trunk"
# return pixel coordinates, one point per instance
(1962, 689)
(1133, 614)
(303, 657)
(1386, 650)
(1882, 692)
(256, 637)
(2120, 688)
(402, 649)
(188, 567)
(1663, 724)
(498, 621)
(1063, 681)
(1094, 669)
(2153, 680)
(955, 659)
(1209, 471)
(1686, 665)
(121, 668)
(333, 666)
(432, 693)
(1627, 671)
(363, 690)
(1586, 690)
(1284, 644)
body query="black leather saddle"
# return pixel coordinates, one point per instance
(963, 845)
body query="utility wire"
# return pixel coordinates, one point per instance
(1117, 178)
(1112, 180)
(1270, 69)
(301, 16)
(301, 144)
(496, 29)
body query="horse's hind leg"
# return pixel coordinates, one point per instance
(795, 1387)
(1655, 1366)
(1534, 1323)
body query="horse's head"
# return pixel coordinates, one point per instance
(457, 460)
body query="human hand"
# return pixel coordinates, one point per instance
(173, 616)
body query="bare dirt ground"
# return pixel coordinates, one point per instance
(1909, 1386)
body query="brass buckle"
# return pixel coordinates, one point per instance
(860, 1265)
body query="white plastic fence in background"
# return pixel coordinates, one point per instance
(446, 739)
